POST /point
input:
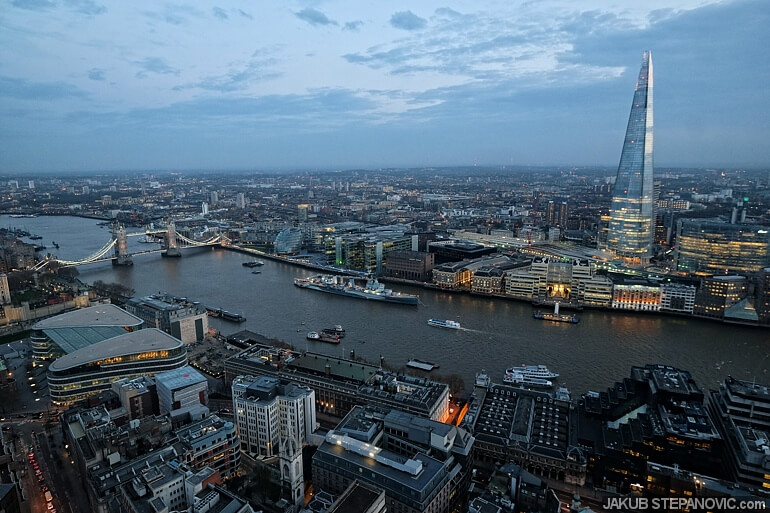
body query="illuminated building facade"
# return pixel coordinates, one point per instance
(641, 297)
(631, 213)
(68, 332)
(718, 293)
(568, 281)
(718, 247)
(91, 370)
(762, 301)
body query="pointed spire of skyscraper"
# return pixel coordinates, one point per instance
(631, 214)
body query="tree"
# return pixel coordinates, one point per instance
(117, 292)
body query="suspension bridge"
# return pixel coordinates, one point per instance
(116, 250)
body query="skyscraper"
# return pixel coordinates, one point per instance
(631, 214)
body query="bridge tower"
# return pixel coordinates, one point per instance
(122, 256)
(172, 244)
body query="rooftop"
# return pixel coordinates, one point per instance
(70, 340)
(100, 315)
(179, 378)
(356, 498)
(337, 367)
(141, 341)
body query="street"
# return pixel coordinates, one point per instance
(32, 426)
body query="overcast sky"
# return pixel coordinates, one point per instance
(96, 85)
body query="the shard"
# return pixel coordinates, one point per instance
(631, 223)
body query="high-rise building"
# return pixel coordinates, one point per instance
(269, 411)
(631, 213)
(556, 214)
(240, 200)
(713, 246)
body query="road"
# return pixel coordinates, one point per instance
(32, 424)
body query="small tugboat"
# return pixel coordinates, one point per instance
(555, 316)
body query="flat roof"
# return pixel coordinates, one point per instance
(99, 315)
(338, 367)
(357, 498)
(179, 378)
(130, 343)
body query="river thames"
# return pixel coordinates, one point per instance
(498, 333)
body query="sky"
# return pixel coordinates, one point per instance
(91, 85)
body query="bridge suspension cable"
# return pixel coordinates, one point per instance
(96, 256)
(191, 242)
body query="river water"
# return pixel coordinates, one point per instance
(498, 333)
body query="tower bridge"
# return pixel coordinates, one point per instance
(116, 249)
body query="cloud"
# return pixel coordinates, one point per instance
(353, 25)
(155, 65)
(446, 12)
(22, 89)
(245, 14)
(314, 17)
(316, 110)
(220, 13)
(88, 7)
(33, 5)
(175, 14)
(97, 74)
(239, 77)
(407, 20)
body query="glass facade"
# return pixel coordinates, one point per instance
(718, 247)
(631, 213)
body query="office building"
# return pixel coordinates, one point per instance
(71, 331)
(182, 319)
(92, 369)
(528, 428)
(762, 301)
(340, 384)
(410, 265)
(551, 279)
(676, 297)
(359, 497)
(240, 200)
(718, 294)
(288, 241)
(269, 410)
(656, 415)
(636, 294)
(421, 465)
(210, 442)
(741, 412)
(138, 396)
(181, 388)
(631, 213)
(712, 246)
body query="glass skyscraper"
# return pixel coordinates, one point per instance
(631, 214)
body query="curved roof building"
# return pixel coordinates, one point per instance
(91, 370)
(68, 332)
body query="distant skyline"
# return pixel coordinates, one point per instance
(90, 86)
